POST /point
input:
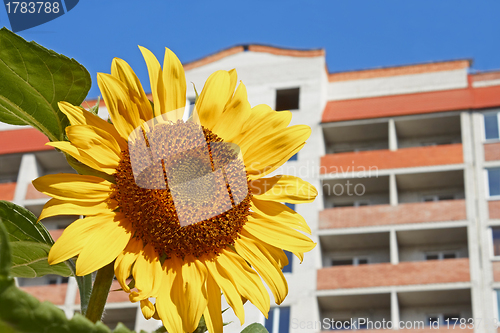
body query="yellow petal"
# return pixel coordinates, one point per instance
(80, 116)
(279, 236)
(233, 80)
(263, 262)
(262, 121)
(189, 293)
(75, 237)
(68, 186)
(123, 113)
(156, 80)
(167, 310)
(245, 279)
(270, 152)
(122, 71)
(279, 212)
(104, 246)
(174, 82)
(147, 308)
(233, 298)
(125, 260)
(56, 207)
(283, 188)
(213, 98)
(97, 145)
(278, 254)
(79, 155)
(212, 314)
(147, 274)
(237, 111)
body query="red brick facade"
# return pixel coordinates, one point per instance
(32, 193)
(7, 191)
(496, 270)
(494, 209)
(492, 151)
(418, 103)
(387, 274)
(417, 212)
(387, 159)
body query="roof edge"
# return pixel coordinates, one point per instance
(253, 48)
(427, 67)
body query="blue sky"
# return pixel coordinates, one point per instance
(356, 34)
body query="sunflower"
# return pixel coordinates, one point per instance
(190, 213)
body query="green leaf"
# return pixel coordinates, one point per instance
(23, 313)
(29, 260)
(22, 225)
(30, 243)
(255, 328)
(33, 80)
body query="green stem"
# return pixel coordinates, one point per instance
(100, 292)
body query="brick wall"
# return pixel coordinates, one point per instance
(32, 193)
(387, 159)
(387, 274)
(7, 191)
(496, 270)
(54, 293)
(494, 209)
(492, 151)
(417, 212)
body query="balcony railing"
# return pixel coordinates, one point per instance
(494, 209)
(388, 159)
(415, 212)
(56, 293)
(492, 151)
(7, 191)
(387, 274)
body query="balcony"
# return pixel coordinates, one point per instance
(416, 212)
(386, 274)
(388, 159)
(410, 311)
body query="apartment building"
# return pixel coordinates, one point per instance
(407, 163)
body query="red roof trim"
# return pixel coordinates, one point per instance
(399, 70)
(399, 105)
(22, 140)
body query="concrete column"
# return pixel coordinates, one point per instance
(393, 190)
(394, 310)
(69, 301)
(393, 247)
(393, 138)
(28, 171)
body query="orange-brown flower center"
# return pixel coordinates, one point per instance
(182, 197)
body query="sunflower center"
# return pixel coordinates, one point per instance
(183, 188)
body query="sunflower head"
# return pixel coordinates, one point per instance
(190, 213)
